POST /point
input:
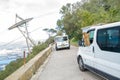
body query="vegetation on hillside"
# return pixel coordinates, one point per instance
(86, 13)
(74, 42)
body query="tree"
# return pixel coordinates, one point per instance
(50, 32)
(86, 13)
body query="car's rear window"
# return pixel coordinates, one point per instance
(60, 39)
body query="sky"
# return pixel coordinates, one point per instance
(44, 12)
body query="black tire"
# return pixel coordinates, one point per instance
(56, 48)
(81, 64)
(68, 47)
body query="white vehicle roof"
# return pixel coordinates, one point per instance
(100, 26)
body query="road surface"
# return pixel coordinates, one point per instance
(62, 65)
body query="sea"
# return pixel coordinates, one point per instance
(11, 53)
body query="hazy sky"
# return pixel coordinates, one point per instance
(45, 13)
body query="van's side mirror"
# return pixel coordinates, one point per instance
(81, 43)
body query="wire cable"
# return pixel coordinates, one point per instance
(12, 41)
(35, 29)
(46, 14)
(19, 37)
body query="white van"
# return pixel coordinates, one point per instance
(101, 50)
(62, 42)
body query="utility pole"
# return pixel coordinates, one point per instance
(25, 33)
(26, 36)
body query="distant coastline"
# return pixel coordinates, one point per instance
(11, 53)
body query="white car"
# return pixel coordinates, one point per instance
(62, 42)
(101, 50)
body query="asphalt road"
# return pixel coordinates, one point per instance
(62, 65)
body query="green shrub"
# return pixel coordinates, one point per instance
(50, 40)
(38, 48)
(10, 68)
(74, 42)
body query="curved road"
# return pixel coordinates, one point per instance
(62, 65)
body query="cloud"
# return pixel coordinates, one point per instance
(4, 4)
(28, 7)
(37, 6)
(4, 1)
